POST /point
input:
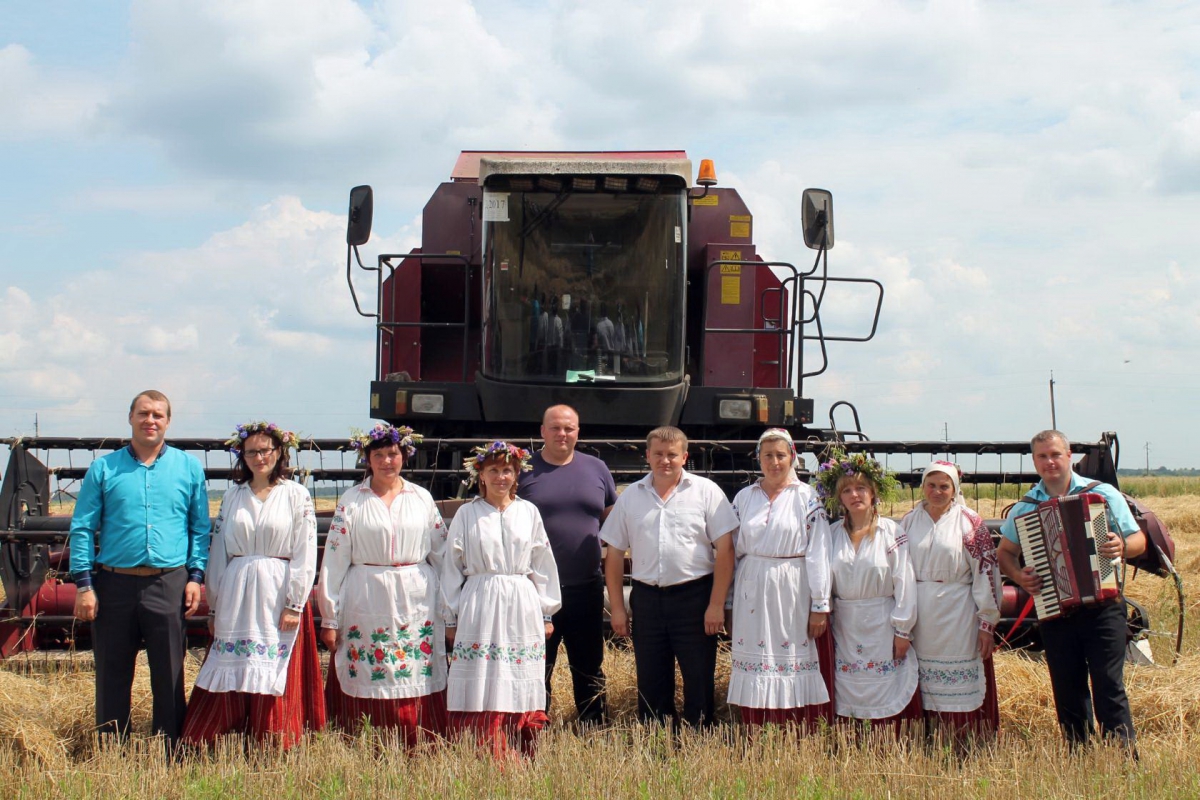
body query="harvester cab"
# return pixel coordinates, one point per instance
(603, 280)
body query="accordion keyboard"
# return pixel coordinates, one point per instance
(1033, 547)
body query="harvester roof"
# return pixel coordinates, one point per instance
(475, 165)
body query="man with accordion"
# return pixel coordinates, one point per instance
(1074, 533)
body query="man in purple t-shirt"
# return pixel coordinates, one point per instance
(574, 493)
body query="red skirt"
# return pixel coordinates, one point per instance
(982, 723)
(806, 718)
(415, 718)
(501, 731)
(284, 719)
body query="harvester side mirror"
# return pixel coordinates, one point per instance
(362, 206)
(816, 215)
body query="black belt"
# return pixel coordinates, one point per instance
(140, 572)
(675, 587)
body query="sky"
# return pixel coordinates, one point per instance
(1023, 178)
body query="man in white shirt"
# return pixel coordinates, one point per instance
(677, 528)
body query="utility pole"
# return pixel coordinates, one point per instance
(946, 431)
(36, 429)
(1053, 416)
(1147, 458)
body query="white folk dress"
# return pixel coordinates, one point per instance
(499, 583)
(873, 601)
(957, 583)
(262, 559)
(379, 587)
(782, 574)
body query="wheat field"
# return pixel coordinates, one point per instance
(47, 748)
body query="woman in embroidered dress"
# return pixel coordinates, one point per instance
(378, 594)
(874, 608)
(262, 675)
(782, 652)
(500, 588)
(957, 584)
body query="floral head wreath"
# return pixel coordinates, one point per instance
(507, 452)
(245, 431)
(838, 464)
(382, 432)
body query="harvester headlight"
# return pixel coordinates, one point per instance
(734, 409)
(615, 183)
(428, 404)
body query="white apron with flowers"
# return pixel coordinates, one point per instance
(872, 601)
(379, 582)
(262, 559)
(499, 581)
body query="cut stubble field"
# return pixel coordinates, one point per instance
(47, 748)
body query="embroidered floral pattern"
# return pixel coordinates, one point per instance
(249, 648)
(337, 529)
(882, 667)
(396, 655)
(765, 668)
(513, 654)
(955, 676)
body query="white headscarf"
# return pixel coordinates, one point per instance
(950, 469)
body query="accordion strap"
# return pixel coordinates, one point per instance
(1029, 498)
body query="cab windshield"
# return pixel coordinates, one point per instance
(584, 286)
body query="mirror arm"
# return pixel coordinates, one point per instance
(350, 281)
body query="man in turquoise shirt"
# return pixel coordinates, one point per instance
(1090, 641)
(146, 506)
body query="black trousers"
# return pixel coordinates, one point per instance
(668, 627)
(1089, 643)
(579, 625)
(133, 613)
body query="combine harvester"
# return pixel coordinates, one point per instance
(604, 280)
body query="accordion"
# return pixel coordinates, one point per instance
(1060, 540)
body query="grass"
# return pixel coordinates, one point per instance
(45, 715)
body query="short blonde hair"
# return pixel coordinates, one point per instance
(153, 395)
(1042, 437)
(668, 434)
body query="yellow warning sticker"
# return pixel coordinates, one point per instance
(731, 255)
(731, 290)
(739, 226)
(707, 200)
(731, 269)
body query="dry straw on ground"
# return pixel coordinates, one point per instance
(47, 748)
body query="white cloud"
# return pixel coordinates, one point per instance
(36, 102)
(256, 317)
(1179, 163)
(69, 340)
